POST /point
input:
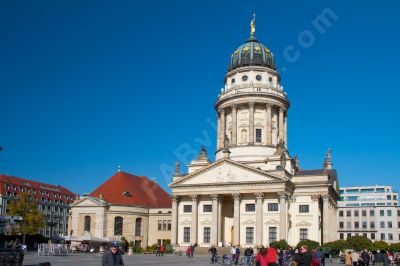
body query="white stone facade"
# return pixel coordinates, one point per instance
(254, 192)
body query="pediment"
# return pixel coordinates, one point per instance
(303, 223)
(224, 172)
(271, 222)
(88, 202)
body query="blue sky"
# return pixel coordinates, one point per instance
(86, 86)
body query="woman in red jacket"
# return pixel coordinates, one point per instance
(262, 258)
(271, 254)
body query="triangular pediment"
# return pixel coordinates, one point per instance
(88, 202)
(226, 171)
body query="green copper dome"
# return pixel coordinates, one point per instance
(252, 53)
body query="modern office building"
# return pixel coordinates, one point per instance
(370, 211)
(52, 200)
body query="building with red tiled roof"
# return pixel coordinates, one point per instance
(124, 205)
(52, 200)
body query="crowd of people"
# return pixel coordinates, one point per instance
(366, 257)
(270, 256)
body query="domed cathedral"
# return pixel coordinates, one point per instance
(255, 192)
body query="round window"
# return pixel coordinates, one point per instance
(244, 78)
(258, 77)
(232, 81)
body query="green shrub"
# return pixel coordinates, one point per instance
(335, 247)
(281, 244)
(310, 243)
(359, 243)
(379, 245)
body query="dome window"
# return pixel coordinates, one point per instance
(244, 78)
(232, 81)
(258, 77)
(126, 194)
(270, 79)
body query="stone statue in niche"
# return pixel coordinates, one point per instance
(244, 136)
(226, 142)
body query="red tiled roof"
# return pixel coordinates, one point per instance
(7, 182)
(141, 191)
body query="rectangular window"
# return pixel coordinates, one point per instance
(372, 236)
(355, 213)
(364, 213)
(382, 212)
(249, 235)
(207, 235)
(382, 224)
(348, 224)
(303, 234)
(341, 236)
(272, 234)
(389, 212)
(250, 207)
(348, 235)
(272, 207)
(356, 224)
(169, 225)
(186, 234)
(390, 225)
(207, 208)
(348, 213)
(382, 236)
(364, 234)
(372, 225)
(341, 225)
(164, 227)
(258, 135)
(159, 225)
(390, 236)
(371, 213)
(340, 213)
(304, 209)
(364, 225)
(187, 208)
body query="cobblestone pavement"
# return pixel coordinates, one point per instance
(87, 259)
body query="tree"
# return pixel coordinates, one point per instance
(281, 244)
(359, 243)
(395, 247)
(310, 243)
(33, 220)
(380, 245)
(336, 246)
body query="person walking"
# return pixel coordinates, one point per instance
(248, 253)
(364, 258)
(237, 252)
(262, 258)
(355, 257)
(304, 258)
(213, 251)
(348, 259)
(112, 257)
(272, 255)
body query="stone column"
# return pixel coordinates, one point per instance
(251, 122)
(283, 214)
(325, 219)
(219, 221)
(193, 229)
(236, 219)
(234, 125)
(281, 126)
(215, 220)
(222, 128)
(259, 218)
(218, 131)
(285, 130)
(268, 133)
(174, 221)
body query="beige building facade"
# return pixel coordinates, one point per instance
(255, 192)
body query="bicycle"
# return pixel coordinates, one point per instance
(224, 260)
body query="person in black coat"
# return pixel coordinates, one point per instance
(364, 258)
(304, 258)
(112, 257)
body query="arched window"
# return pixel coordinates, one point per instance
(138, 227)
(118, 225)
(86, 225)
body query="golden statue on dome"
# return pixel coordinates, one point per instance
(253, 26)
